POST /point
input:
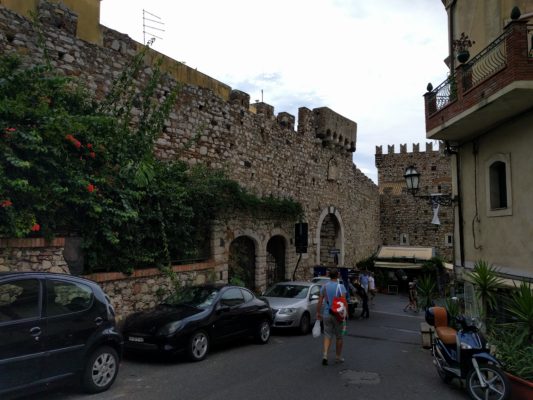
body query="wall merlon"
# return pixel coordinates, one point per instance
(334, 128)
(263, 109)
(240, 98)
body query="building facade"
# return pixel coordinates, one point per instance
(484, 113)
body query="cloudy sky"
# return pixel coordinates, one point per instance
(369, 61)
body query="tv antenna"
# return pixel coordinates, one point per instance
(158, 26)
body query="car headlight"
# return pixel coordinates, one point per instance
(170, 328)
(287, 311)
(465, 346)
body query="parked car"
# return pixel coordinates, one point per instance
(197, 316)
(294, 304)
(53, 327)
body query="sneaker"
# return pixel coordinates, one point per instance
(339, 360)
(324, 361)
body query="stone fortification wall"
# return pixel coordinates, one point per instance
(407, 218)
(215, 125)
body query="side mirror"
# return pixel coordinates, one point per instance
(314, 297)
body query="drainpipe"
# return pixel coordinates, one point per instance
(460, 211)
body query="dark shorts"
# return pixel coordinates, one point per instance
(332, 327)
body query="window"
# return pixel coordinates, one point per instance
(232, 297)
(67, 297)
(19, 300)
(498, 183)
(498, 190)
(448, 240)
(247, 295)
(404, 239)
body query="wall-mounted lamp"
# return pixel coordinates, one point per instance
(412, 181)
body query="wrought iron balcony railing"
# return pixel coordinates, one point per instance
(490, 60)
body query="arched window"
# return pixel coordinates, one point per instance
(498, 186)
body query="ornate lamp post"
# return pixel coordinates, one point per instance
(412, 181)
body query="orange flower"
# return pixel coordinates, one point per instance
(6, 203)
(90, 188)
(92, 154)
(35, 228)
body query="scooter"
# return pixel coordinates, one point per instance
(464, 354)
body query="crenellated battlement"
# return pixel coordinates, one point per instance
(416, 148)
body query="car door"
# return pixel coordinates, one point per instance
(314, 294)
(72, 316)
(229, 322)
(21, 330)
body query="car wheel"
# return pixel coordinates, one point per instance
(101, 369)
(198, 346)
(262, 333)
(305, 324)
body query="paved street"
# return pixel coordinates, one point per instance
(384, 360)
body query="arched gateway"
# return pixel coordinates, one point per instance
(330, 238)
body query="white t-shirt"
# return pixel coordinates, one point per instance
(371, 283)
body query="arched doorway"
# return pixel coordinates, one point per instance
(241, 262)
(330, 242)
(275, 262)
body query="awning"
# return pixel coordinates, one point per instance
(396, 265)
(418, 253)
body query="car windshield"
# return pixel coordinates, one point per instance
(195, 296)
(288, 291)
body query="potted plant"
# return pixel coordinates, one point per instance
(514, 343)
(426, 291)
(486, 281)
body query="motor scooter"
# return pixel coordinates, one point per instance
(464, 354)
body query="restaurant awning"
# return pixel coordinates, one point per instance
(403, 257)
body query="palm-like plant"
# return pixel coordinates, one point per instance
(426, 291)
(521, 307)
(486, 280)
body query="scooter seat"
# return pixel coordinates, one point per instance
(446, 334)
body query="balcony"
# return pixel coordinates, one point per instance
(493, 87)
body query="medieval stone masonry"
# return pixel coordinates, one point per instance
(405, 219)
(215, 125)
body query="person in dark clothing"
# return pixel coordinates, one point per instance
(361, 292)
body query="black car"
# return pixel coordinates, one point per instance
(197, 316)
(53, 327)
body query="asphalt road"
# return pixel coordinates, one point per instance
(384, 360)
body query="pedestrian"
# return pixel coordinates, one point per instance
(363, 280)
(363, 295)
(333, 328)
(371, 287)
(413, 301)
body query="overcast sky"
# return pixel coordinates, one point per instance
(369, 61)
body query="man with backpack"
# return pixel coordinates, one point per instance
(332, 310)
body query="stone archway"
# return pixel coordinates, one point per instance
(241, 262)
(330, 238)
(275, 262)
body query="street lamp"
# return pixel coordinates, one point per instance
(412, 181)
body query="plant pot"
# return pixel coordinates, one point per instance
(463, 56)
(520, 388)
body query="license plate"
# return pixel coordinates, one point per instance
(136, 339)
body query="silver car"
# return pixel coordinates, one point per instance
(294, 304)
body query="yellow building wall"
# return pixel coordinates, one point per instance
(483, 20)
(88, 12)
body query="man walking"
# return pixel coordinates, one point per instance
(332, 325)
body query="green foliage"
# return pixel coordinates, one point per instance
(514, 349)
(520, 306)
(486, 282)
(426, 289)
(69, 165)
(367, 264)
